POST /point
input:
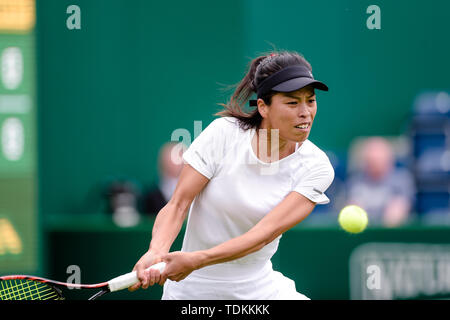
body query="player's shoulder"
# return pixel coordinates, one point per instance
(314, 157)
(226, 125)
(226, 121)
(312, 151)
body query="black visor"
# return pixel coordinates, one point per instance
(288, 79)
(298, 83)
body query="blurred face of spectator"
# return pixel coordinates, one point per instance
(171, 161)
(378, 158)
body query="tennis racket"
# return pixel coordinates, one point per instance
(23, 287)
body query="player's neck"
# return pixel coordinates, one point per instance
(269, 147)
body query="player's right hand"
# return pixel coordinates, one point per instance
(146, 278)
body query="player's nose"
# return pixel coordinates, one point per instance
(303, 111)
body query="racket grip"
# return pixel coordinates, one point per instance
(127, 280)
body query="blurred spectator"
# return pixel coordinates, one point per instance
(385, 191)
(170, 163)
(122, 195)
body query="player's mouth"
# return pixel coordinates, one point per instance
(303, 126)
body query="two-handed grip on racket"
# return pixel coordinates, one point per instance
(127, 280)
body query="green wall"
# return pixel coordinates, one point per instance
(111, 93)
(373, 75)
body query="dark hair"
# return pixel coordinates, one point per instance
(259, 69)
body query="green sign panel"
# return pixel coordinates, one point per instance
(18, 214)
(17, 105)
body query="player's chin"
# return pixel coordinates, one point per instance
(300, 136)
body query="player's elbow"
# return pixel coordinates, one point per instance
(268, 234)
(178, 207)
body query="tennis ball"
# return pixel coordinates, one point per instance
(353, 219)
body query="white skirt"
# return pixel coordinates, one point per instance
(233, 281)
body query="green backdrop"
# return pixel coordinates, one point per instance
(373, 75)
(112, 92)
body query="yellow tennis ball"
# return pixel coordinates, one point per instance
(353, 219)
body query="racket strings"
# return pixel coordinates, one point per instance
(26, 290)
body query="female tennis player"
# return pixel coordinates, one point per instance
(248, 177)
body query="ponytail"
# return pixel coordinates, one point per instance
(243, 92)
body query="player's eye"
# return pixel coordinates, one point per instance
(292, 102)
(312, 100)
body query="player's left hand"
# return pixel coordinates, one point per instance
(179, 265)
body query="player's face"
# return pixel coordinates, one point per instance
(292, 113)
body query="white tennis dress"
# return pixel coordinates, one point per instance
(241, 191)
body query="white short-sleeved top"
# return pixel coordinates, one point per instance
(243, 189)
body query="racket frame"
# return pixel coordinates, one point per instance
(119, 283)
(56, 284)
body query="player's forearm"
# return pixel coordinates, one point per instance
(167, 226)
(287, 214)
(235, 248)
